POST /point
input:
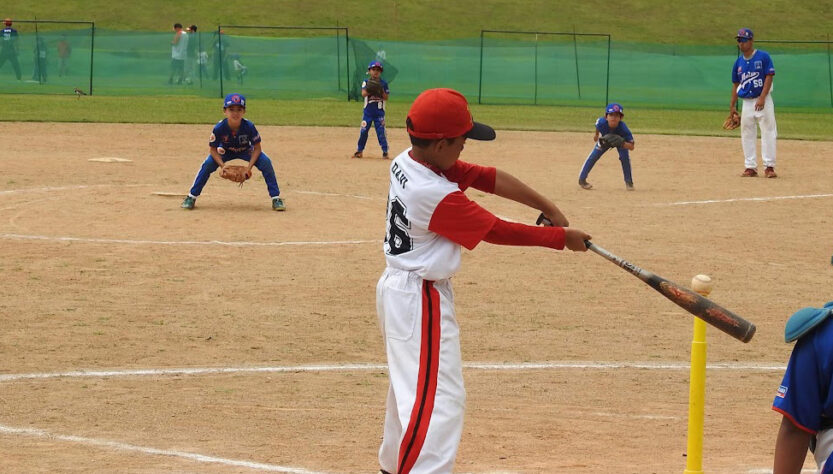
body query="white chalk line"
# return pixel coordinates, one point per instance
(146, 450)
(184, 242)
(92, 186)
(718, 201)
(357, 196)
(766, 367)
(170, 242)
(65, 188)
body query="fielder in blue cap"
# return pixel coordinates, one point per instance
(752, 77)
(374, 109)
(235, 138)
(805, 397)
(611, 132)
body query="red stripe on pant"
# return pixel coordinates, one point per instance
(429, 357)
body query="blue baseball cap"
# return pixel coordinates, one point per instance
(234, 99)
(614, 108)
(375, 64)
(745, 33)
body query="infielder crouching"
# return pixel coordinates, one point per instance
(428, 220)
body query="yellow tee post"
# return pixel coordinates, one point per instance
(702, 284)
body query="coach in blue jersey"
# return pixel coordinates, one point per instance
(8, 46)
(752, 77)
(235, 138)
(805, 397)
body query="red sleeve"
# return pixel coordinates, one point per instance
(511, 233)
(469, 174)
(461, 220)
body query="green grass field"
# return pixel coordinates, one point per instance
(651, 21)
(707, 23)
(337, 113)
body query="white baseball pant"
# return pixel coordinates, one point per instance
(824, 447)
(765, 119)
(426, 397)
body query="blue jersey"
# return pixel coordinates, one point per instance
(805, 394)
(235, 144)
(621, 129)
(380, 102)
(750, 73)
(8, 36)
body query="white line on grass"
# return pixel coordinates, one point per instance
(766, 367)
(772, 198)
(160, 452)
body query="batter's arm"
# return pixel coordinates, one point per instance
(510, 187)
(790, 448)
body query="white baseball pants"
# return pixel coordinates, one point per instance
(824, 448)
(426, 397)
(765, 119)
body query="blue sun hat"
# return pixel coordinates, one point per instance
(805, 319)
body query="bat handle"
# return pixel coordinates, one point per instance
(542, 219)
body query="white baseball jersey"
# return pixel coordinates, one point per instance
(429, 217)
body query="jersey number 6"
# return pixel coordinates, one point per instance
(397, 239)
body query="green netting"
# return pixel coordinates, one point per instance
(499, 68)
(53, 58)
(544, 68)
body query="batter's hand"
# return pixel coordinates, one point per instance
(574, 240)
(557, 218)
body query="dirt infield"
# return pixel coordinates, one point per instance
(101, 274)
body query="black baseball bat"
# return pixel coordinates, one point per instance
(705, 309)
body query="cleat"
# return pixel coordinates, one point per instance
(188, 203)
(278, 205)
(769, 172)
(629, 186)
(750, 173)
(385, 155)
(357, 154)
(585, 184)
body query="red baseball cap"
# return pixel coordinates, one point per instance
(444, 113)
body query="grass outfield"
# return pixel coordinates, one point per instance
(651, 21)
(792, 124)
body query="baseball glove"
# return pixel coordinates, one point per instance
(732, 121)
(374, 87)
(612, 140)
(236, 173)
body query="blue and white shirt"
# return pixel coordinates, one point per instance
(750, 73)
(805, 394)
(621, 129)
(380, 102)
(234, 144)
